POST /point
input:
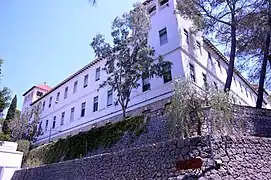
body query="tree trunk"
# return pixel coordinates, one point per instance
(123, 112)
(264, 63)
(232, 57)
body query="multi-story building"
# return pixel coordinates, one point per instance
(78, 102)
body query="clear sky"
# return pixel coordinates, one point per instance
(47, 40)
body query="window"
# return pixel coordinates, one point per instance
(146, 82)
(97, 75)
(246, 92)
(163, 36)
(72, 114)
(209, 56)
(50, 102)
(75, 87)
(192, 73)
(234, 81)
(109, 98)
(57, 96)
(39, 94)
(215, 84)
(46, 125)
(152, 9)
(241, 86)
(66, 92)
(43, 105)
(199, 48)
(167, 73)
(163, 2)
(83, 109)
(40, 128)
(95, 104)
(54, 123)
(186, 36)
(62, 118)
(86, 81)
(205, 81)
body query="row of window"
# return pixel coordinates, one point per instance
(167, 76)
(82, 113)
(75, 87)
(193, 78)
(152, 8)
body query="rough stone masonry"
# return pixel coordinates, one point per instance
(242, 158)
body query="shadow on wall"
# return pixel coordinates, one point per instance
(256, 121)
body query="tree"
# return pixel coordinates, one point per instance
(10, 115)
(252, 52)
(5, 97)
(220, 19)
(12, 109)
(192, 107)
(27, 125)
(129, 58)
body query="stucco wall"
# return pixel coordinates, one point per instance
(242, 158)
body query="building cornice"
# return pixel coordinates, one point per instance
(212, 46)
(95, 61)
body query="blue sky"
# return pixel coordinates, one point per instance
(47, 40)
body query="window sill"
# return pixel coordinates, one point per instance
(164, 6)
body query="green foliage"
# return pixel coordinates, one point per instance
(23, 146)
(79, 145)
(192, 107)
(10, 116)
(4, 137)
(5, 97)
(12, 109)
(129, 56)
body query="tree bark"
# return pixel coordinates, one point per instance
(259, 102)
(232, 58)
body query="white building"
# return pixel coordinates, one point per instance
(10, 160)
(77, 101)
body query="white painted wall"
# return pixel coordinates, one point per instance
(176, 50)
(10, 160)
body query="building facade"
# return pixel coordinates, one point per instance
(78, 102)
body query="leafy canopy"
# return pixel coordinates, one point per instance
(129, 56)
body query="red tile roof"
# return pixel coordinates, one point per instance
(44, 87)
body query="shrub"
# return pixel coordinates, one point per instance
(23, 146)
(192, 107)
(4, 137)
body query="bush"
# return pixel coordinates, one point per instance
(23, 146)
(80, 145)
(4, 137)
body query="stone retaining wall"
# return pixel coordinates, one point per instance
(242, 158)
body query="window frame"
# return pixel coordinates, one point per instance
(50, 102)
(109, 101)
(163, 36)
(54, 122)
(95, 103)
(186, 34)
(75, 86)
(85, 81)
(83, 109)
(72, 112)
(166, 73)
(192, 75)
(146, 86)
(66, 92)
(163, 2)
(46, 125)
(199, 47)
(205, 83)
(98, 74)
(57, 96)
(62, 118)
